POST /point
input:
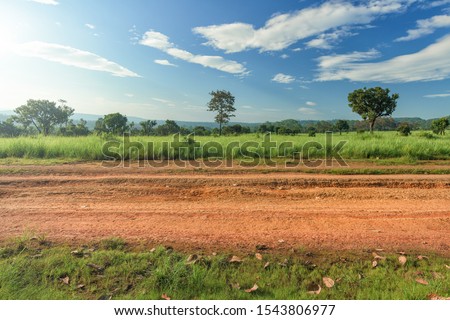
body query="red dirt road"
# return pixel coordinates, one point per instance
(226, 209)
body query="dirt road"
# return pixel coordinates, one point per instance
(228, 210)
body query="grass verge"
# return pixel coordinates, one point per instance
(33, 268)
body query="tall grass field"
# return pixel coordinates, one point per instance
(381, 145)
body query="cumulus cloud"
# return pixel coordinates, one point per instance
(311, 103)
(431, 63)
(164, 63)
(90, 26)
(283, 30)
(283, 78)
(426, 26)
(161, 42)
(73, 57)
(52, 2)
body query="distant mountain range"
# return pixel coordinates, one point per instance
(92, 118)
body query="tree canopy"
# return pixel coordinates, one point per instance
(372, 103)
(43, 115)
(222, 102)
(440, 125)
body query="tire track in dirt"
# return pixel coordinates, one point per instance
(229, 211)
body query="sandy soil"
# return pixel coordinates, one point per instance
(228, 210)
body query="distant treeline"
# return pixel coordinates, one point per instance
(48, 118)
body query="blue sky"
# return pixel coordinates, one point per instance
(281, 59)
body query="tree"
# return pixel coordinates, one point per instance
(169, 127)
(201, 131)
(312, 131)
(81, 128)
(372, 103)
(222, 102)
(8, 129)
(404, 129)
(324, 126)
(440, 125)
(342, 125)
(99, 127)
(147, 127)
(115, 123)
(43, 115)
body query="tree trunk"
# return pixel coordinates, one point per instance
(220, 129)
(372, 125)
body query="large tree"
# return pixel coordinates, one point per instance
(43, 115)
(222, 102)
(372, 103)
(115, 123)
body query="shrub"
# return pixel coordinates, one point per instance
(404, 129)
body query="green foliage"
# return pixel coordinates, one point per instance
(236, 129)
(383, 145)
(168, 128)
(8, 129)
(222, 102)
(114, 123)
(427, 135)
(312, 132)
(404, 129)
(440, 125)
(372, 103)
(43, 115)
(147, 127)
(33, 268)
(342, 125)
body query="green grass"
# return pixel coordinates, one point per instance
(379, 146)
(33, 268)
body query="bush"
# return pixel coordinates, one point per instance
(427, 135)
(312, 132)
(404, 129)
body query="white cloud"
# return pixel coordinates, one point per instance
(439, 95)
(329, 62)
(164, 63)
(431, 63)
(129, 95)
(308, 111)
(247, 107)
(52, 2)
(72, 57)
(434, 4)
(283, 78)
(90, 26)
(160, 41)
(283, 30)
(164, 101)
(426, 26)
(328, 40)
(284, 56)
(311, 103)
